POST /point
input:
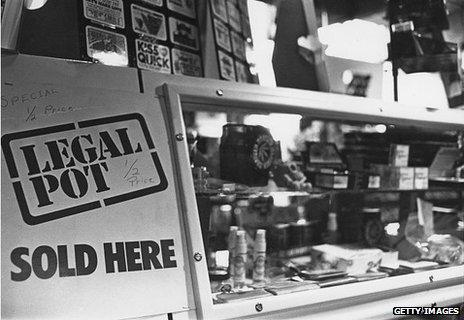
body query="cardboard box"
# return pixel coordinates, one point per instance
(400, 178)
(421, 178)
(403, 178)
(331, 180)
(350, 259)
(399, 155)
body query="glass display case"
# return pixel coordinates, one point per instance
(364, 210)
(332, 224)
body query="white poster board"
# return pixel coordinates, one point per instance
(90, 217)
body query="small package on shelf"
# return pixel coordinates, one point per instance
(359, 180)
(397, 178)
(399, 155)
(331, 179)
(79, 30)
(421, 178)
(347, 258)
(324, 166)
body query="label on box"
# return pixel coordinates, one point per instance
(109, 12)
(185, 7)
(148, 22)
(152, 56)
(107, 47)
(222, 35)
(158, 3)
(406, 178)
(374, 182)
(421, 178)
(186, 63)
(226, 66)
(234, 16)
(219, 9)
(238, 45)
(399, 155)
(348, 258)
(183, 33)
(340, 182)
(241, 70)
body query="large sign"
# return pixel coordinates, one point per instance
(90, 218)
(68, 169)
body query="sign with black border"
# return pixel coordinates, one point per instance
(184, 7)
(106, 46)
(222, 35)
(186, 63)
(148, 22)
(226, 66)
(157, 3)
(108, 12)
(41, 176)
(152, 56)
(183, 33)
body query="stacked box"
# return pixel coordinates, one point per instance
(421, 178)
(402, 178)
(397, 175)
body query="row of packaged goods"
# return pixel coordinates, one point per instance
(249, 156)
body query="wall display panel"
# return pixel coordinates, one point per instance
(224, 21)
(135, 33)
